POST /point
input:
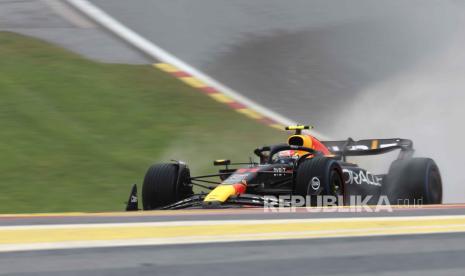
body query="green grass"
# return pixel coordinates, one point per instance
(75, 134)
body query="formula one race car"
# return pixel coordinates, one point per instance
(304, 166)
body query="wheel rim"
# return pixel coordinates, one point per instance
(336, 183)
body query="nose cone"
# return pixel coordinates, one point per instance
(222, 192)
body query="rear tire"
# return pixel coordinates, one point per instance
(319, 176)
(412, 180)
(165, 184)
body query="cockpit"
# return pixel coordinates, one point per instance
(298, 146)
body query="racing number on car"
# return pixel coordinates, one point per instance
(279, 171)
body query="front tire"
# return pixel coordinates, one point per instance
(165, 184)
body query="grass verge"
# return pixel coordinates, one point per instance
(76, 133)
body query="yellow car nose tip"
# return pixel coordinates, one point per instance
(220, 194)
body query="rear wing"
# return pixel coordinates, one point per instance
(351, 147)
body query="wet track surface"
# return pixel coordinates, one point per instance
(408, 255)
(227, 214)
(428, 254)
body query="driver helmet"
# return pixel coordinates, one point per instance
(287, 153)
(287, 156)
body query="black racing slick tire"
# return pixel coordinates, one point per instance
(414, 181)
(165, 184)
(319, 176)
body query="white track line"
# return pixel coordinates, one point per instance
(159, 54)
(227, 222)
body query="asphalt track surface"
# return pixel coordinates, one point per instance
(427, 254)
(406, 255)
(225, 214)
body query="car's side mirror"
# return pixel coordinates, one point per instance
(221, 162)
